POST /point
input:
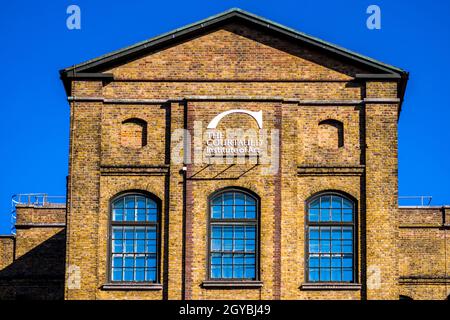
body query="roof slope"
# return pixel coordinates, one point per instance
(92, 68)
(115, 57)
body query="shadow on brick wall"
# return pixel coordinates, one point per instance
(38, 274)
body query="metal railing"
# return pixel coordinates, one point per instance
(36, 200)
(415, 201)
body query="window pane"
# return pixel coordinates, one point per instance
(117, 214)
(250, 212)
(216, 212)
(216, 272)
(314, 261)
(336, 275)
(117, 274)
(336, 215)
(313, 215)
(325, 202)
(347, 215)
(239, 199)
(228, 198)
(140, 202)
(325, 274)
(239, 212)
(325, 215)
(129, 202)
(347, 275)
(228, 212)
(313, 274)
(250, 272)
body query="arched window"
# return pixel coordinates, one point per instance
(134, 238)
(331, 134)
(233, 234)
(133, 133)
(330, 239)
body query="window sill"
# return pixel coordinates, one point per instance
(213, 284)
(330, 286)
(132, 286)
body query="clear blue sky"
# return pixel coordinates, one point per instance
(34, 114)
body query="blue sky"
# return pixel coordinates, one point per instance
(34, 114)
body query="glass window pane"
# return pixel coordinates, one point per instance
(216, 212)
(140, 202)
(118, 204)
(217, 200)
(151, 204)
(228, 212)
(325, 261)
(325, 274)
(150, 261)
(227, 271)
(216, 259)
(336, 261)
(140, 275)
(336, 275)
(325, 246)
(336, 202)
(117, 261)
(129, 202)
(216, 272)
(216, 244)
(250, 232)
(249, 245)
(117, 274)
(140, 261)
(216, 232)
(228, 244)
(347, 215)
(250, 212)
(336, 233)
(239, 199)
(238, 272)
(314, 261)
(250, 201)
(150, 275)
(336, 215)
(347, 275)
(347, 261)
(347, 233)
(325, 202)
(315, 204)
(239, 232)
(336, 246)
(129, 214)
(250, 272)
(129, 274)
(313, 215)
(347, 203)
(141, 214)
(239, 212)
(117, 214)
(239, 245)
(314, 233)
(325, 233)
(228, 198)
(313, 275)
(313, 246)
(228, 232)
(325, 214)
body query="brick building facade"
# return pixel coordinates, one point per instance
(232, 159)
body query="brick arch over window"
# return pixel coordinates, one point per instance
(331, 134)
(133, 133)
